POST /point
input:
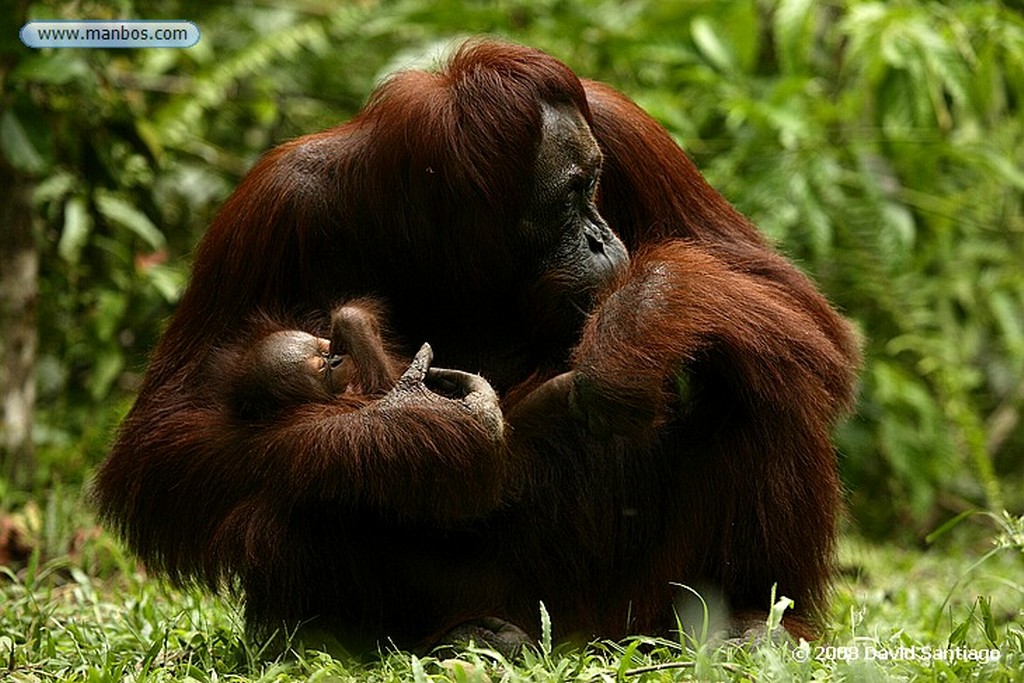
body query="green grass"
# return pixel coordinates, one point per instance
(86, 613)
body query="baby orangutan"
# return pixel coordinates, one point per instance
(286, 368)
(290, 367)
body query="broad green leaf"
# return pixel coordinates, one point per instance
(18, 146)
(794, 42)
(778, 611)
(110, 309)
(626, 661)
(57, 67)
(1009, 316)
(419, 675)
(545, 630)
(119, 211)
(53, 188)
(150, 136)
(711, 45)
(1007, 168)
(169, 282)
(77, 226)
(108, 366)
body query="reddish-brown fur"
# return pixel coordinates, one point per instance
(261, 374)
(733, 487)
(717, 366)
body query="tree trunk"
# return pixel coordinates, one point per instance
(19, 268)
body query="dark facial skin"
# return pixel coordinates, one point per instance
(568, 169)
(581, 253)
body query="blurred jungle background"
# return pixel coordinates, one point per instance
(879, 144)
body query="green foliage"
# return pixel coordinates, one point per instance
(81, 611)
(880, 144)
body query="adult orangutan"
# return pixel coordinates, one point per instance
(666, 416)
